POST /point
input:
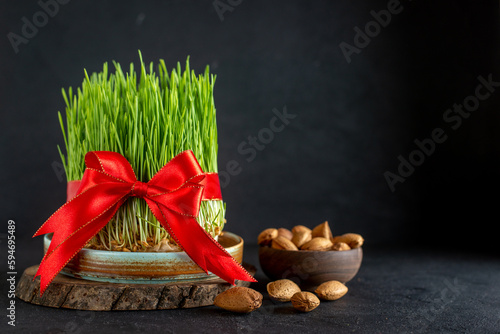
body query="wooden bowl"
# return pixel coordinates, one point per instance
(310, 268)
(143, 267)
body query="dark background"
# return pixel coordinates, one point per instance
(352, 120)
(430, 259)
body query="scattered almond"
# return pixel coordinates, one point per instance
(265, 237)
(331, 290)
(317, 244)
(282, 290)
(322, 230)
(239, 299)
(340, 246)
(283, 243)
(305, 301)
(285, 233)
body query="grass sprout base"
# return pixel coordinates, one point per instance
(149, 118)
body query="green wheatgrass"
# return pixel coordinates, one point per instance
(149, 117)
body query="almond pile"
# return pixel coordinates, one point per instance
(301, 237)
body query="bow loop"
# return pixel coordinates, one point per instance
(181, 169)
(112, 163)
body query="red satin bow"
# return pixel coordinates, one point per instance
(173, 195)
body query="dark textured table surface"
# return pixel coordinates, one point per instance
(395, 291)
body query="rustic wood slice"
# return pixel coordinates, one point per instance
(79, 294)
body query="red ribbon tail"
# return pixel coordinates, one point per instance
(199, 245)
(63, 252)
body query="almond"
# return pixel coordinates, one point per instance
(283, 243)
(352, 239)
(285, 233)
(300, 228)
(322, 230)
(340, 246)
(282, 290)
(265, 237)
(336, 239)
(317, 244)
(331, 290)
(239, 299)
(305, 301)
(301, 237)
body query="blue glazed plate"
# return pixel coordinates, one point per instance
(144, 267)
